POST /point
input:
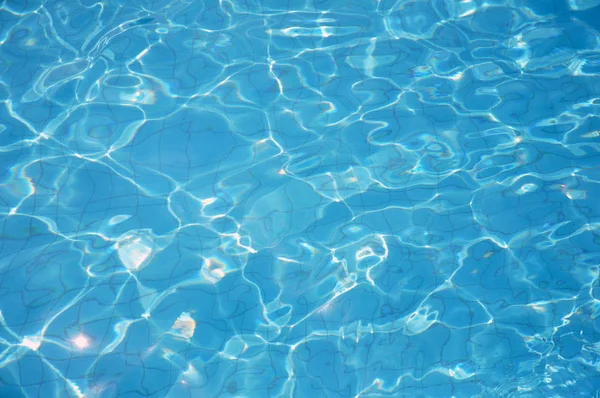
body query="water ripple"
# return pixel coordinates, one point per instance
(264, 198)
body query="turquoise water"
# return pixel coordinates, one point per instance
(320, 198)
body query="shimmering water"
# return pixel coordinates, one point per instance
(304, 198)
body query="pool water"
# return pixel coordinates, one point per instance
(299, 198)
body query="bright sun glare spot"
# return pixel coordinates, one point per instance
(142, 96)
(537, 307)
(457, 76)
(184, 325)
(213, 270)
(33, 343)
(81, 341)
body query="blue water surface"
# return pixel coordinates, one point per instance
(299, 198)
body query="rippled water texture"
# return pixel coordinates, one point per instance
(307, 198)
